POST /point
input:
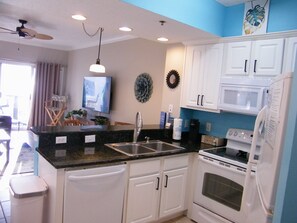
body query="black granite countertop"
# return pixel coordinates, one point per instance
(79, 156)
(77, 153)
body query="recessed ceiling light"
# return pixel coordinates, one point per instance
(125, 29)
(79, 17)
(162, 39)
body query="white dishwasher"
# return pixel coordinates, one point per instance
(94, 194)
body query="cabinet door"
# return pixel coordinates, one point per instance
(237, 58)
(143, 198)
(290, 54)
(267, 57)
(211, 76)
(173, 191)
(193, 79)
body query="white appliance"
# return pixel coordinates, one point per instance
(94, 195)
(220, 180)
(270, 125)
(243, 95)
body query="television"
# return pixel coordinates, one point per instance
(97, 93)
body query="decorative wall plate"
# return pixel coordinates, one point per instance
(172, 79)
(143, 87)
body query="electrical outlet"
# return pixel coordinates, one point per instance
(170, 108)
(208, 126)
(61, 139)
(90, 138)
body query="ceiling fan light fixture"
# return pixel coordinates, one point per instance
(125, 29)
(79, 17)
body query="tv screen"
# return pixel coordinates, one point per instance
(97, 93)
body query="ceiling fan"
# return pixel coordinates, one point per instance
(25, 32)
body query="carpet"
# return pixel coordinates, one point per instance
(25, 161)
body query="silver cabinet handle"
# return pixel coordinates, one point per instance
(166, 181)
(198, 97)
(202, 97)
(245, 63)
(255, 65)
(158, 182)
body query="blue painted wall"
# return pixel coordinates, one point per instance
(207, 15)
(220, 122)
(282, 17)
(212, 17)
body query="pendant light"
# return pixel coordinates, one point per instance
(97, 67)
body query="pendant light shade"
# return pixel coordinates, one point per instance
(97, 67)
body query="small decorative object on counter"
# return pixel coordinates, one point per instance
(100, 120)
(80, 113)
(177, 127)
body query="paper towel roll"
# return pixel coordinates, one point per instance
(177, 126)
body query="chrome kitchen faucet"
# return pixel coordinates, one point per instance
(138, 126)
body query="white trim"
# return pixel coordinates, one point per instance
(274, 35)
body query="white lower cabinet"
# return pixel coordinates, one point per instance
(157, 188)
(143, 197)
(173, 191)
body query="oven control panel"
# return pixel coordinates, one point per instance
(240, 135)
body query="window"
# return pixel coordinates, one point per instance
(16, 87)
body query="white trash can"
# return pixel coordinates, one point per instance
(27, 196)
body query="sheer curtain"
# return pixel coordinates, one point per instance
(47, 83)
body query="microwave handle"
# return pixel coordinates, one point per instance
(198, 97)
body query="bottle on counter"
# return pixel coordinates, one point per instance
(177, 129)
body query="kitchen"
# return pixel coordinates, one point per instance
(77, 66)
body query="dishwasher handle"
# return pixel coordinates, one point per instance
(97, 176)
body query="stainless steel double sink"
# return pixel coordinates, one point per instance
(143, 148)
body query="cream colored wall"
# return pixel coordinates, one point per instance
(174, 61)
(124, 61)
(31, 54)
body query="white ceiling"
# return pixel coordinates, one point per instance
(53, 17)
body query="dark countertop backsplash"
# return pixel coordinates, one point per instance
(76, 152)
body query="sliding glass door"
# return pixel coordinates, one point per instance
(16, 87)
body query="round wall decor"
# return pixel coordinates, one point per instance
(143, 87)
(172, 79)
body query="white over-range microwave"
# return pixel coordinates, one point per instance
(243, 95)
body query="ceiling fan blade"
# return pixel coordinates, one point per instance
(7, 29)
(29, 32)
(43, 36)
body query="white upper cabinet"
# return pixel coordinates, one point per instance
(237, 57)
(202, 77)
(254, 58)
(290, 54)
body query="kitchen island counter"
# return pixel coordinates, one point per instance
(78, 156)
(76, 153)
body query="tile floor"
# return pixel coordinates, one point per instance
(17, 140)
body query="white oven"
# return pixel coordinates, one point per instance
(220, 180)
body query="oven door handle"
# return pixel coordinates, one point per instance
(221, 165)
